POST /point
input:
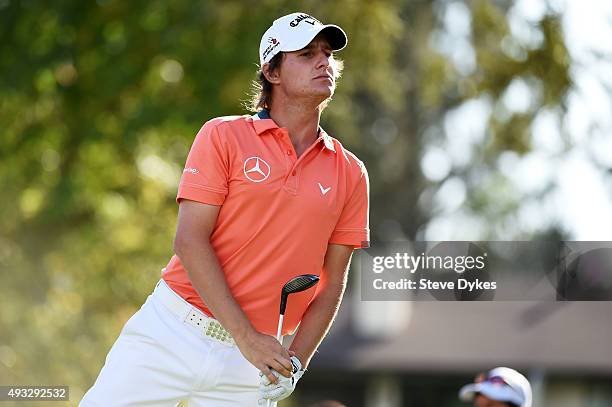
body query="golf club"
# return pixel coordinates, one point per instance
(295, 285)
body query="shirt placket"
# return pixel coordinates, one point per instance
(291, 173)
(293, 164)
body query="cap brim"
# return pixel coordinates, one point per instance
(335, 36)
(494, 392)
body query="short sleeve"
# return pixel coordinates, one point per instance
(205, 176)
(353, 226)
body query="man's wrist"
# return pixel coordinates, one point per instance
(296, 363)
(242, 332)
(300, 357)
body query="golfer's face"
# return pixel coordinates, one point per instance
(310, 71)
(483, 401)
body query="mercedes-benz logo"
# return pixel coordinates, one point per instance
(256, 169)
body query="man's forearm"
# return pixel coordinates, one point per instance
(316, 322)
(207, 277)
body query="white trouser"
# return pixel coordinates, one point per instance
(160, 359)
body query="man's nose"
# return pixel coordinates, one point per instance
(322, 59)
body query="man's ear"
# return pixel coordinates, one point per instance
(273, 76)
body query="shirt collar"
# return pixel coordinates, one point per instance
(262, 122)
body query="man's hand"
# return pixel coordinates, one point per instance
(285, 385)
(265, 353)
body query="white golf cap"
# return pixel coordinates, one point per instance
(500, 384)
(293, 32)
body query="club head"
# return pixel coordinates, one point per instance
(300, 283)
(295, 285)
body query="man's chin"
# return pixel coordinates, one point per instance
(324, 94)
(316, 97)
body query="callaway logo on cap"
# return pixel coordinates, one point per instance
(294, 32)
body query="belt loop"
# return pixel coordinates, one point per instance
(185, 314)
(185, 308)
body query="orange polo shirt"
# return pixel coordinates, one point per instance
(278, 212)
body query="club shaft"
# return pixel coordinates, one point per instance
(279, 338)
(280, 328)
(311, 280)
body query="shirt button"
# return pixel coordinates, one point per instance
(293, 173)
(288, 152)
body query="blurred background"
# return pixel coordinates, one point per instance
(483, 119)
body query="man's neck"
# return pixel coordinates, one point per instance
(302, 122)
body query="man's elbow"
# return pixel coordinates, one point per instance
(181, 244)
(178, 245)
(332, 290)
(185, 242)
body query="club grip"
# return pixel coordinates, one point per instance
(283, 304)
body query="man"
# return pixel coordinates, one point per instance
(262, 199)
(500, 387)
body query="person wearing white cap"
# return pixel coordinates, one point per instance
(297, 78)
(499, 387)
(262, 199)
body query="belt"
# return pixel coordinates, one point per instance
(191, 315)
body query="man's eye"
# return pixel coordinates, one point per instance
(305, 54)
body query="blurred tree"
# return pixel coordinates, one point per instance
(474, 67)
(99, 102)
(431, 74)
